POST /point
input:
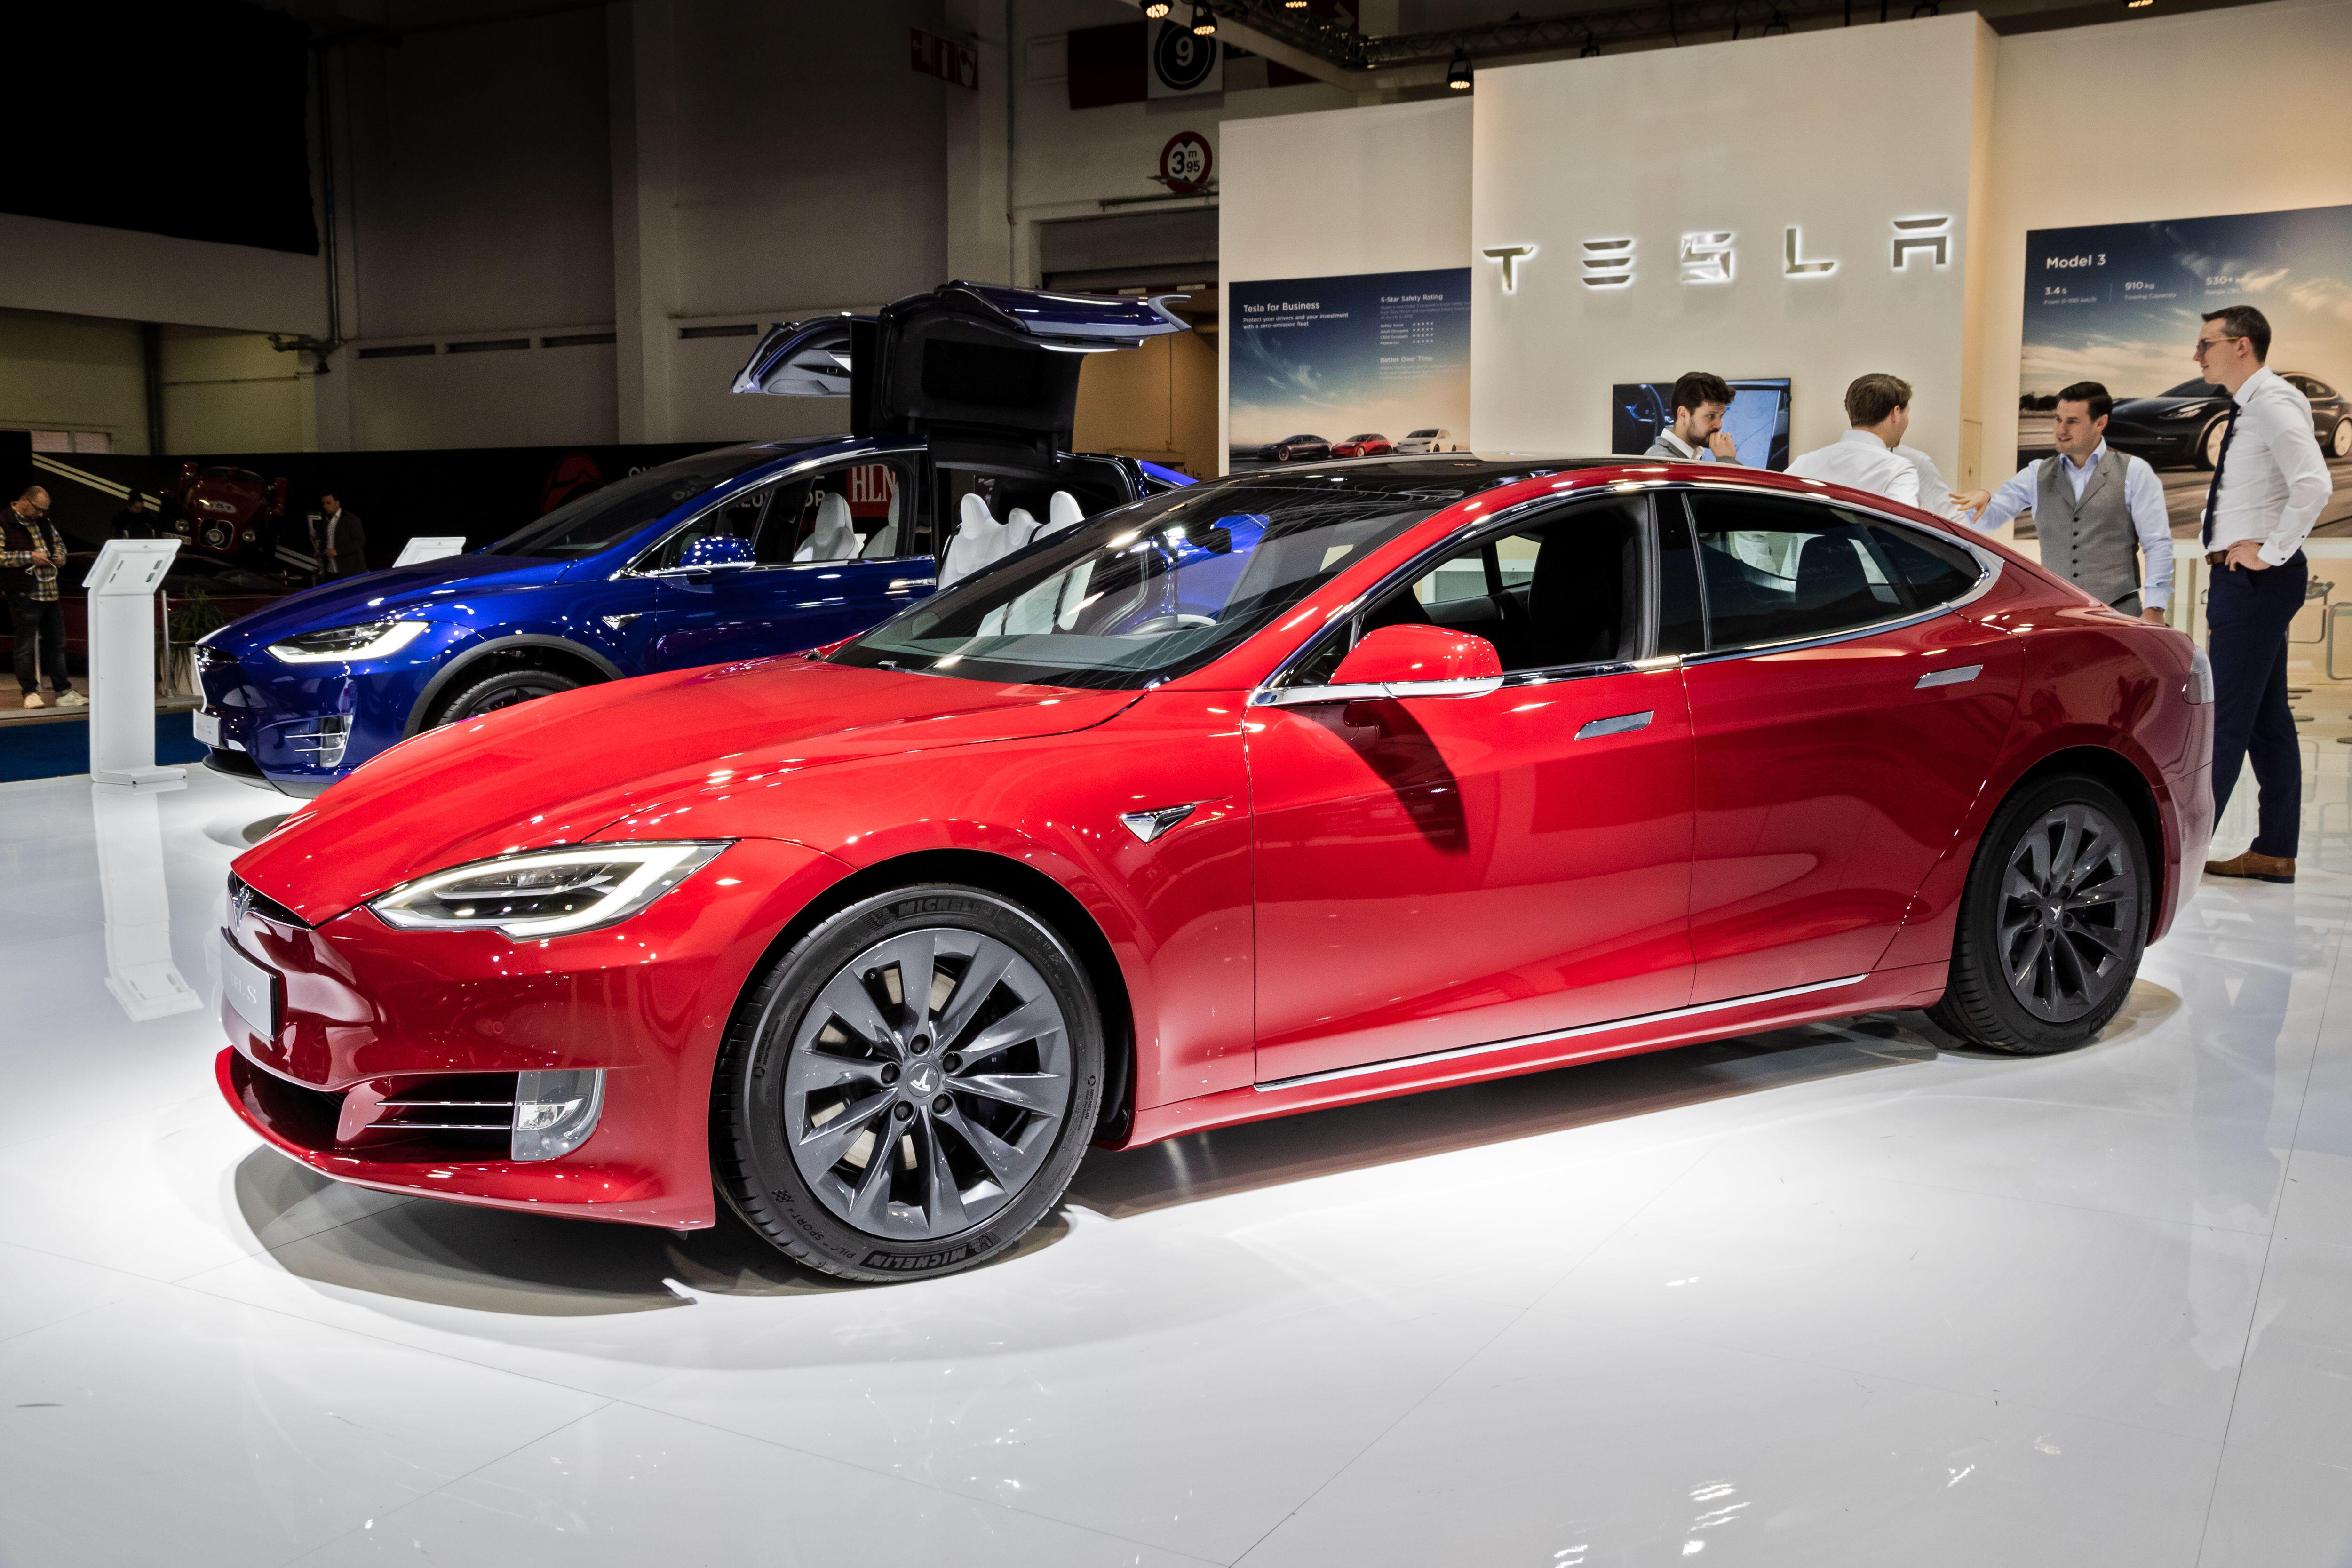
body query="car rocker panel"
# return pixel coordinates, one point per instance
(1148, 853)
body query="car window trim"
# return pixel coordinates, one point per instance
(1989, 567)
(631, 569)
(1269, 692)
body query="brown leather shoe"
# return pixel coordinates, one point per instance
(2261, 868)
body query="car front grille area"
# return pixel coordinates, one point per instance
(391, 1120)
(323, 746)
(523, 1116)
(244, 895)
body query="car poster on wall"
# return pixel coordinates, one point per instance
(2121, 303)
(1355, 367)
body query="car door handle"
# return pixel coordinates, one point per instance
(1958, 676)
(1622, 724)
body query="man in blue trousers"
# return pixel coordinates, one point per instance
(2269, 486)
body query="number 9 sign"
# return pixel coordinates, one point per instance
(1184, 162)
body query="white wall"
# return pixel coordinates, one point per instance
(1382, 189)
(76, 270)
(1573, 151)
(2152, 120)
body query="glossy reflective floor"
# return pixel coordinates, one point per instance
(1828, 1297)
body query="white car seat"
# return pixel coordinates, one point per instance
(977, 542)
(884, 541)
(835, 537)
(1020, 528)
(1063, 512)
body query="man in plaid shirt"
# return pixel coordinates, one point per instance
(31, 550)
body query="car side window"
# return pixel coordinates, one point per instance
(1775, 571)
(853, 511)
(1563, 590)
(737, 517)
(1932, 571)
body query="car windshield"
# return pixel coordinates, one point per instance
(603, 517)
(1151, 591)
(2195, 389)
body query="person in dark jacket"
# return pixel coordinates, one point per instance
(135, 521)
(31, 550)
(339, 538)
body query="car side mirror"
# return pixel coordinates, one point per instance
(1405, 661)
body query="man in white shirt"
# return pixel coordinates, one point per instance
(1936, 493)
(1879, 408)
(1696, 434)
(2269, 485)
(2110, 503)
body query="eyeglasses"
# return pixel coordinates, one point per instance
(2197, 349)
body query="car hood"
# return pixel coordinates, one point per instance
(429, 592)
(558, 770)
(2128, 406)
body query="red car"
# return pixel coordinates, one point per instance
(227, 511)
(1298, 788)
(1370, 445)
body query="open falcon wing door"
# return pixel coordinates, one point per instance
(987, 375)
(802, 359)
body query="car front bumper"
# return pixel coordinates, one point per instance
(299, 727)
(370, 1013)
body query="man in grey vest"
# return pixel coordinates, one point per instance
(2093, 506)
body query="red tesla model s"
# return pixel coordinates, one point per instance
(1303, 787)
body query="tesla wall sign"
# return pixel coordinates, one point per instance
(1707, 256)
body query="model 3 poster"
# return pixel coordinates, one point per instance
(2121, 303)
(1355, 367)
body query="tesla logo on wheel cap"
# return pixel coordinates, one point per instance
(923, 1079)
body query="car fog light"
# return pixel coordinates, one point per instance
(555, 1112)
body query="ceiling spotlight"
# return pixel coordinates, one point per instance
(1294, 5)
(1592, 49)
(1204, 21)
(1457, 75)
(1155, 9)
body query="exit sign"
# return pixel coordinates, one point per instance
(944, 58)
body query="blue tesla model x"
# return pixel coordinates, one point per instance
(961, 403)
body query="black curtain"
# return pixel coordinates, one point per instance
(178, 117)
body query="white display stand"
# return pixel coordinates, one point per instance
(140, 971)
(430, 547)
(123, 659)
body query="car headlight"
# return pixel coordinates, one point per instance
(2190, 411)
(343, 644)
(545, 892)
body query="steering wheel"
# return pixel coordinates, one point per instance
(1178, 622)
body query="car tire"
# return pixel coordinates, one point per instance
(2339, 440)
(519, 683)
(2207, 449)
(824, 1035)
(2036, 976)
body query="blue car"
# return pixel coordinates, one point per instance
(747, 550)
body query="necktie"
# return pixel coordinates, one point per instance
(2213, 492)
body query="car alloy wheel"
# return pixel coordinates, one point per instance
(504, 690)
(2051, 922)
(926, 1083)
(2339, 440)
(909, 1087)
(2209, 445)
(2070, 914)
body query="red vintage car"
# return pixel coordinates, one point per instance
(225, 511)
(1299, 788)
(1370, 445)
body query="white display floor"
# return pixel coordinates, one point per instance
(1824, 1298)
